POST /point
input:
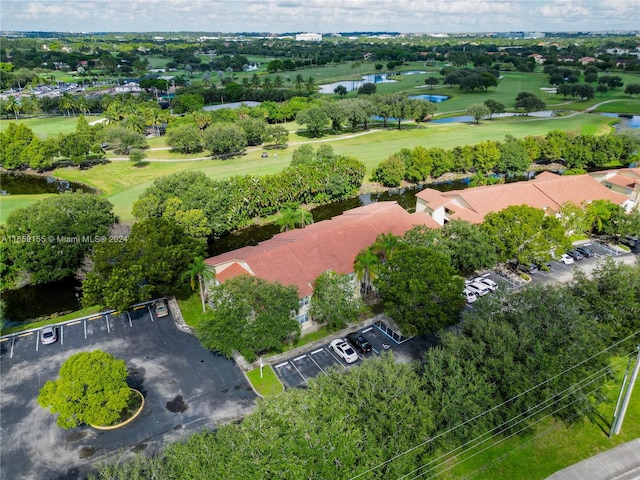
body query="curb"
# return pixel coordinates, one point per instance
(128, 420)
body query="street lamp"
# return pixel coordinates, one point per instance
(78, 299)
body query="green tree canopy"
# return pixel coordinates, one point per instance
(314, 118)
(148, 264)
(525, 234)
(251, 316)
(54, 234)
(420, 290)
(334, 301)
(91, 389)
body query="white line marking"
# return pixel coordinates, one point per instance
(321, 369)
(150, 313)
(85, 329)
(62, 334)
(130, 324)
(73, 323)
(13, 340)
(294, 366)
(37, 340)
(316, 351)
(106, 318)
(281, 365)
(299, 358)
(367, 330)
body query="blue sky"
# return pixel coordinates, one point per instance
(322, 16)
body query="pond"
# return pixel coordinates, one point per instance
(626, 120)
(18, 183)
(469, 118)
(431, 98)
(355, 84)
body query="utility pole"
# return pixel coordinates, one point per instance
(617, 421)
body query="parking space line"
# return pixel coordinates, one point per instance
(37, 340)
(85, 329)
(74, 323)
(106, 319)
(61, 334)
(129, 316)
(13, 341)
(150, 313)
(281, 365)
(294, 366)
(299, 358)
(321, 369)
(317, 351)
(367, 330)
(336, 358)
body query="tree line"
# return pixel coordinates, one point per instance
(515, 359)
(207, 207)
(512, 157)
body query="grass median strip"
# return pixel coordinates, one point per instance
(267, 385)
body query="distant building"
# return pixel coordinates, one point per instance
(308, 37)
(547, 191)
(129, 87)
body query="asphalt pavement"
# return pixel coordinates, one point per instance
(186, 388)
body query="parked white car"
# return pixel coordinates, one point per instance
(478, 288)
(469, 295)
(566, 259)
(344, 350)
(493, 286)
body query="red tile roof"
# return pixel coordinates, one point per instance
(622, 181)
(547, 191)
(298, 257)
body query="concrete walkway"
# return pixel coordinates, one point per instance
(619, 463)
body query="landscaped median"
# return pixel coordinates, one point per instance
(265, 382)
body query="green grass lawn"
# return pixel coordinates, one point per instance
(46, 127)
(9, 203)
(552, 445)
(267, 385)
(122, 182)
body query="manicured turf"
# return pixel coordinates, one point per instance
(552, 446)
(269, 384)
(9, 203)
(45, 127)
(122, 182)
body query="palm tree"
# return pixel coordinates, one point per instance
(299, 80)
(277, 82)
(83, 105)
(155, 117)
(267, 83)
(310, 84)
(12, 106)
(287, 219)
(384, 245)
(67, 103)
(199, 270)
(290, 219)
(366, 266)
(255, 81)
(304, 217)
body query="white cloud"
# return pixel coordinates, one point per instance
(319, 15)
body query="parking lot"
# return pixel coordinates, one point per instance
(186, 389)
(298, 369)
(557, 272)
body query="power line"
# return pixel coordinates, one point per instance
(514, 433)
(431, 439)
(507, 424)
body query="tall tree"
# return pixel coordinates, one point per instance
(366, 267)
(251, 316)
(334, 301)
(478, 111)
(420, 290)
(91, 389)
(199, 271)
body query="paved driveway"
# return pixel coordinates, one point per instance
(186, 389)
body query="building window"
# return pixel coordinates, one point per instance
(302, 318)
(304, 301)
